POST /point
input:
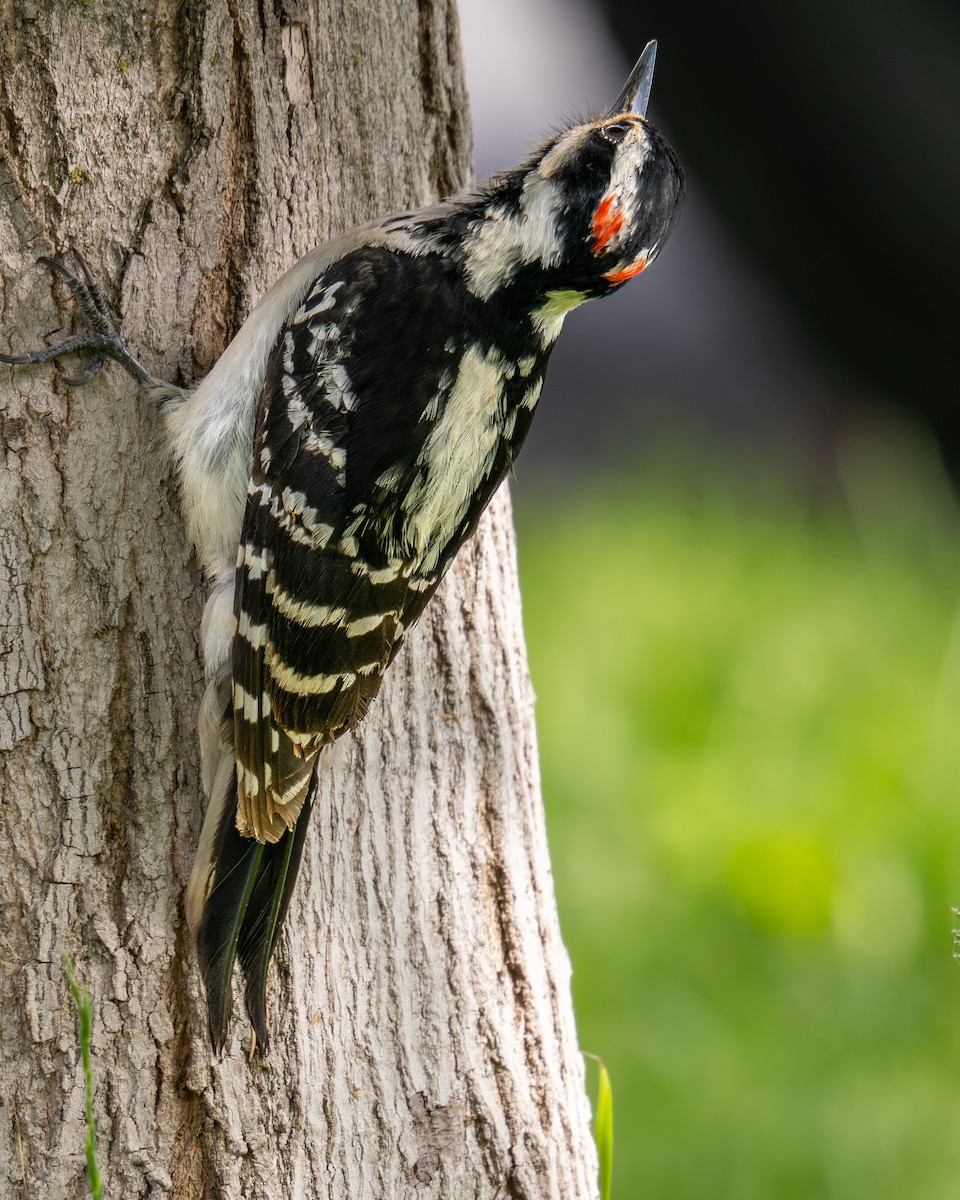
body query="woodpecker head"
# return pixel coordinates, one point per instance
(590, 209)
(618, 185)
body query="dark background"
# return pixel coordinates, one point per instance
(812, 284)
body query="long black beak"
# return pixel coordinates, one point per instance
(636, 91)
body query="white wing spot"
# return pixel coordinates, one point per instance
(321, 299)
(249, 707)
(313, 616)
(293, 681)
(366, 624)
(254, 635)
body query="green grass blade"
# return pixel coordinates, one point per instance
(603, 1132)
(603, 1128)
(81, 1000)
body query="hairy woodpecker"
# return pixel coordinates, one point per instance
(341, 452)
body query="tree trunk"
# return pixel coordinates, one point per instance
(423, 1033)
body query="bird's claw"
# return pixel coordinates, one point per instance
(104, 341)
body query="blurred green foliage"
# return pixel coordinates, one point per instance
(748, 708)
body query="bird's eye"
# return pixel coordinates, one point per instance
(615, 132)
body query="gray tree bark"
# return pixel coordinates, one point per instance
(423, 1034)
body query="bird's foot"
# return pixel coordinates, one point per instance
(104, 340)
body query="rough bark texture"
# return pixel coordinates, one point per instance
(424, 1041)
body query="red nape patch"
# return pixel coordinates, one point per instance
(608, 220)
(627, 272)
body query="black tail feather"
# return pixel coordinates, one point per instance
(242, 917)
(265, 915)
(237, 861)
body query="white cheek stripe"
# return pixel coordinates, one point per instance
(502, 241)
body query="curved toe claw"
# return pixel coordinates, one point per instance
(92, 285)
(87, 290)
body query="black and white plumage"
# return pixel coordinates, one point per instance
(340, 453)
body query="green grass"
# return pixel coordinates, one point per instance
(84, 1007)
(603, 1128)
(748, 716)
